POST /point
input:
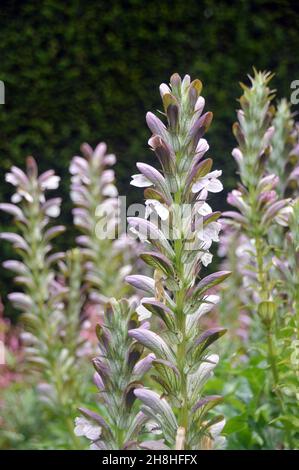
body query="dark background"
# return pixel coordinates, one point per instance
(80, 71)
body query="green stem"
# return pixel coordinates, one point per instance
(181, 323)
(181, 358)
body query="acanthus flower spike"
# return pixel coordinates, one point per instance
(51, 298)
(108, 256)
(180, 230)
(264, 141)
(119, 370)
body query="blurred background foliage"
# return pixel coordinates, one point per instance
(87, 71)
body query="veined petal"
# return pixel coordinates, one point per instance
(153, 342)
(156, 125)
(141, 282)
(144, 365)
(157, 404)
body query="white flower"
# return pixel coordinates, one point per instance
(215, 430)
(51, 183)
(16, 198)
(204, 209)
(160, 209)
(202, 146)
(238, 155)
(209, 183)
(84, 428)
(206, 259)
(110, 159)
(109, 190)
(208, 304)
(19, 195)
(107, 177)
(140, 181)
(10, 178)
(53, 211)
(210, 232)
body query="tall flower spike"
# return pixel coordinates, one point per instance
(259, 210)
(50, 359)
(108, 253)
(180, 232)
(119, 369)
(282, 159)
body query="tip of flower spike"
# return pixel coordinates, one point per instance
(87, 150)
(31, 167)
(175, 80)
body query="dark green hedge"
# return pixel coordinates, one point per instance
(88, 70)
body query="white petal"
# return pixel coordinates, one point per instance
(164, 89)
(161, 210)
(16, 198)
(53, 211)
(210, 232)
(216, 429)
(208, 305)
(215, 186)
(110, 191)
(107, 177)
(214, 174)
(92, 432)
(148, 210)
(51, 183)
(135, 232)
(206, 259)
(202, 146)
(204, 209)
(140, 181)
(143, 313)
(10, 178)
(200, 104)
(202, 183)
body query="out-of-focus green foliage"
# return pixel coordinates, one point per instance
(80, 71)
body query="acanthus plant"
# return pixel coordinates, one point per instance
(51, 334)
(235, 246)
(108, 254)
(117, 422)
(261, 209)
(179, 234)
